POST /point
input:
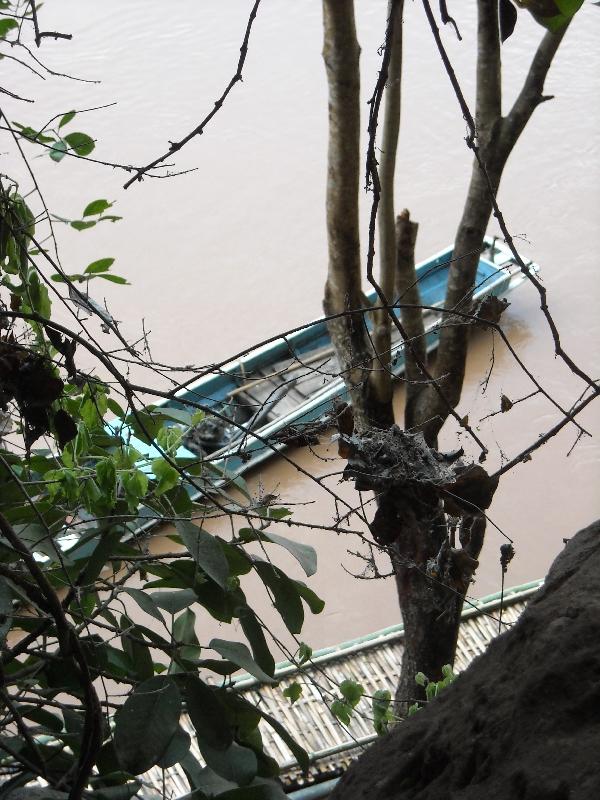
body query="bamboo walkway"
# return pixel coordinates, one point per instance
(374, 662)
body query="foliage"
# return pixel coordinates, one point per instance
(552, 14)
(432, 688)
(77, 499)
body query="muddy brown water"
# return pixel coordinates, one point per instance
(236, 251)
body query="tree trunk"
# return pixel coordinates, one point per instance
(343, 293)
(431, 600)
(496, 138)
(381, 379)
(432, 572)
(431, 612)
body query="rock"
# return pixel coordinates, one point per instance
(523, 722)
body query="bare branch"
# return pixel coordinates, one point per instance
(531, 94)
(448, 20)
(199, 129)
(39, 35)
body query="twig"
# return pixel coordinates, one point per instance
(39, 35)
(199, 129)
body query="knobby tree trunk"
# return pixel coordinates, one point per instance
(432, 570)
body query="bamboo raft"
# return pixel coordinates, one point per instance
(374, 662)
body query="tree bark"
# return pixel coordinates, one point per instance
(381, 378)
(431, 606)
(409, 297)
(343, 293)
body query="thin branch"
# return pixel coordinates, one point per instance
(531, 95)
(523, 455)
(542, 64)
(39, 35)
(15, 96)
(447, 19)
(199, 129)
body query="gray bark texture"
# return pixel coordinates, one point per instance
(523, 722)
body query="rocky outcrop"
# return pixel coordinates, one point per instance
(523, 722)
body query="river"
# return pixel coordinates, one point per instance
(235, 251)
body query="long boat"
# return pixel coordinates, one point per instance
(256, 405)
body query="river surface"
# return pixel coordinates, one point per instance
(236, 251)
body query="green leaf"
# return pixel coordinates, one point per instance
(146, 603)
(238, 763)
(123, 792)
(421, 679)
(552, 14)
(66, 118)
(167, 476)
(115, 408)
(254, 633)
(341, 710)
(80, 143)
(139, 654)
(286, 595)
(113, 278)
(7, 25)
(207, 715)
(146, 724)
(96, 207)
(304, 653)
(312, 600)
(293, 692)
(176, 601)
(304, 554)
(205, 550)
(42, 717)
(58, 150)
(351, 691)
(79, 225)
(298, 752)
(240, 655)
(178, 748)
(106, 477)
(135, 484)
(102, 265)
(184, 628)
